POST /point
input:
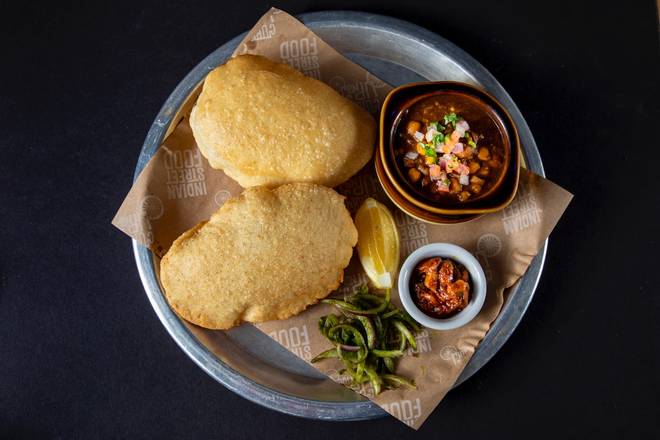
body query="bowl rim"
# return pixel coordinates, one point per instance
(514, 147)
(462, 256)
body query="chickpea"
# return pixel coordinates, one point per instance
(463, 196)
(484, 154)
(413, 127)
(475, 188)
(476, 180)
(414, 174)
(494, 163)
(484, 171)
(455, 186)
(474, 166)
(462, 154)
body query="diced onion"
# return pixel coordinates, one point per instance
(463, 169)
(419, 136)
(464, 179)
(462, 125)
(429, 134)
(412, 155)
(458, 148)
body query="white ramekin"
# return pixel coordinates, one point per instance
(477, 284)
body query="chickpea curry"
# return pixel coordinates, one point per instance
(449, 153)
(441, 287)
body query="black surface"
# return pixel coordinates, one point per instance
(82, 355)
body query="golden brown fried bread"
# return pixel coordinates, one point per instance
(264, 255)
(265, 123)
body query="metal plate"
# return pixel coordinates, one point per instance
(249, 362)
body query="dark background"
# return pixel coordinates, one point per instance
(82, 354)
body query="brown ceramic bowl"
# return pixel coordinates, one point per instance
(467, 99)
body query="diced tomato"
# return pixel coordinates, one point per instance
(442, 186)
(435, 171)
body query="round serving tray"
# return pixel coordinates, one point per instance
(249, 362)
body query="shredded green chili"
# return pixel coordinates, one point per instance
(369, 334)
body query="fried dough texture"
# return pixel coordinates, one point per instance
(264, 255)
(265, 123)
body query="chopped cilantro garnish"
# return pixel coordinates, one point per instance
(438, 138)
(430, 152)
(451, 118)
(437, 126)
(446, 182)
(471, 142)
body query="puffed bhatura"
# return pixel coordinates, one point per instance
(265, 123)
(264, 255)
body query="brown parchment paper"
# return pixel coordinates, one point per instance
(178, 189)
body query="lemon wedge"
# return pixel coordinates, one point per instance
(378, 243)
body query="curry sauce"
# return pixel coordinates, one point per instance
(449, 149)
